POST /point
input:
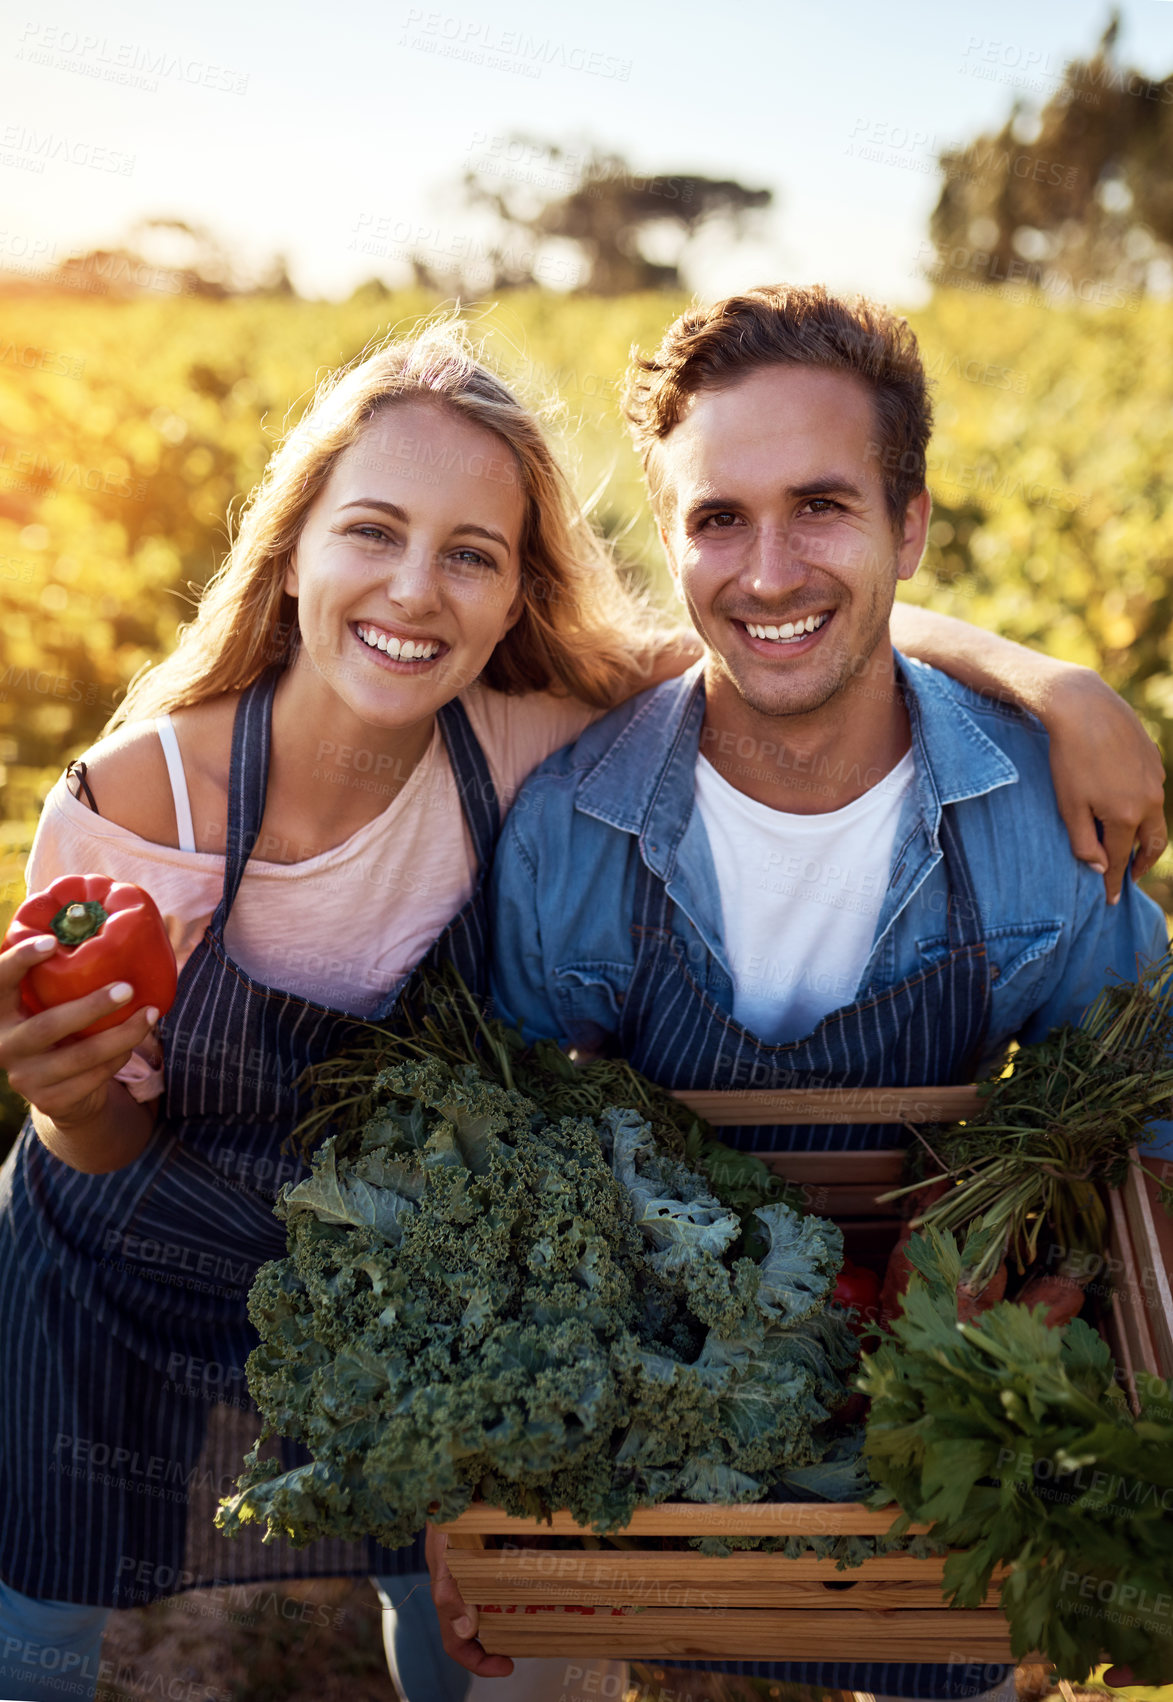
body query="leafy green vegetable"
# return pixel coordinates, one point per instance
(1061, 1122)
(482, 1298)
(444, 1021)
(840, 1475)
(1016, 1443)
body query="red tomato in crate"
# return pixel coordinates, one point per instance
(857, 1290)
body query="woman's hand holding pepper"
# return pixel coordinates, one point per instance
(83, 1116)
(1104, 766)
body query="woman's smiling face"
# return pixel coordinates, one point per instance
(407, 571)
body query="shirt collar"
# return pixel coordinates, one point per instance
(645, 783)
(955, 759)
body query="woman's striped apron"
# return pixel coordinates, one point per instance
(929, 1028)
(124, 1412)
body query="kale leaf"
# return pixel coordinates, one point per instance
(481, 1298)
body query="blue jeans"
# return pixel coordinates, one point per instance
(49, 1651)
(411, 1637)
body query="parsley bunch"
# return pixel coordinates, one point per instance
(1015, 1443)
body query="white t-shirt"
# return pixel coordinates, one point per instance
(343, 927)
(800, 897)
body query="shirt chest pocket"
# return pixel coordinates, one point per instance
(1011, 949)
(589, 995)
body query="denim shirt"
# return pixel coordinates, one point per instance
(563, 883)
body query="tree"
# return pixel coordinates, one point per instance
(627, 231)
(1077, 194)
(168, 256)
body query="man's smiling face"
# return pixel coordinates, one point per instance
(777, 533)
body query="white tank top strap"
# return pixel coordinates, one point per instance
(170, 744)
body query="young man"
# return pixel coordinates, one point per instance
(809, 862)
(808, 859)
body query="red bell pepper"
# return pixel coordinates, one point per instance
(107, 931)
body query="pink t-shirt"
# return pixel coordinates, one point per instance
(343, 927)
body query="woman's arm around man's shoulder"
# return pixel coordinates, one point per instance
(1104, 766)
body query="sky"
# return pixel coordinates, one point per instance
(336, 134)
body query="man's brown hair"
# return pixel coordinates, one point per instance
(783, 324)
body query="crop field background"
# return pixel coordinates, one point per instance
(129, 430)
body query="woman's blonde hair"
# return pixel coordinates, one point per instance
(581, 631)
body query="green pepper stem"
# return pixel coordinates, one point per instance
(77, 922)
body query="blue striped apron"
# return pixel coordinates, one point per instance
(929, 1028)
(124, 1412)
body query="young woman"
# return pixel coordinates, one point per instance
(413, 615)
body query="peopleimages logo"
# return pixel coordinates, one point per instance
(156, 1476)
(509, 50)
(128, 63)
(32, 150)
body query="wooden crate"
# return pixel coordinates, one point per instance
(643, 1603)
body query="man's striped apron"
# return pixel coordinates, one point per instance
(929, 1028)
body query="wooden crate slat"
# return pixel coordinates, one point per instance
(875, 1171)
(915, 1634)
(642, 1579)
(826, 1105)
(691, 1519)
(798, 1595)
(596, 1566)
(1128, 1307)
(1151, 1230)
(465, 1540)
(842, 1204)
(1116, 1335)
